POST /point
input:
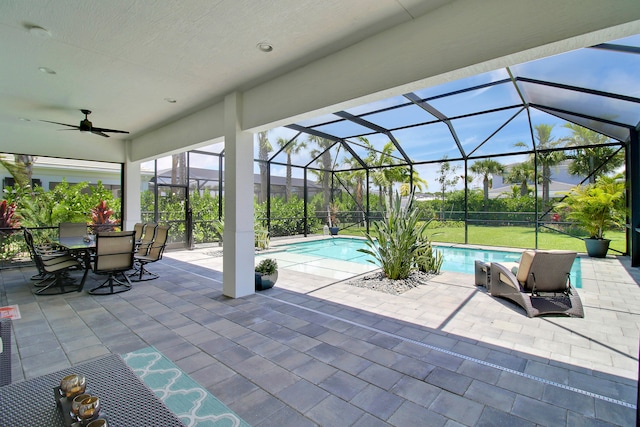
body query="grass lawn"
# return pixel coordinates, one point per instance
(511, 237)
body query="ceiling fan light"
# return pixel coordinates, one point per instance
(40, 32)
(46, 70)
(265, 47)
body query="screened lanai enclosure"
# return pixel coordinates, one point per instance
(487, 159)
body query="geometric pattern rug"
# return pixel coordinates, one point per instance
(191, 402)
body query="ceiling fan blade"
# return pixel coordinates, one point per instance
(108, 130)
(97, 132)
(63, 124)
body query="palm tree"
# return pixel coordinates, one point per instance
(21, 169)
(385, 175)
(590, 160)
(547, 159)
(326, 164)
(374, 159)
(447, 175)
(522, 174)
(291, 148)
(264, 148)
(486, 169)
(357, 177)
(415, 179)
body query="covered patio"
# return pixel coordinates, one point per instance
(316, 351)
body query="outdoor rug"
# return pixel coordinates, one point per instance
(191, 402)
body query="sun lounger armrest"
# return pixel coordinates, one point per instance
(501, 275)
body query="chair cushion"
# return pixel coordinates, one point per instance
(525, 266)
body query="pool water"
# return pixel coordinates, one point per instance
(456, 259)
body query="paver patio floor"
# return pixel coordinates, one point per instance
(316, 351)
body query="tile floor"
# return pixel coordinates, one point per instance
(315, 351)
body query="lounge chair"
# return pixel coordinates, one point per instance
(540, 283)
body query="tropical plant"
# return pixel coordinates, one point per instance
(9, 223)
(101, 218)
(591, 158)
(261, 236)
(21, 169)
(324, 159)
(8, 218)
(267, 266)
(522, 174)
(447, 176)
(397, 240)
(264, 148)
(427, 259)
(596, 207)
(487, 169)
(334, 209)
(545, 154)
(290, 147)
(218, 227)
(287, 218)
(356, 178)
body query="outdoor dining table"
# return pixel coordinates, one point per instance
(77, 243)
(82, 249)
(125, 400)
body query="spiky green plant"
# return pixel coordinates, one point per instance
(428, 259)
(395, 240)
(261, 236)
(267, 266)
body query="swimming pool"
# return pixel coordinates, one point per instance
(456, 259)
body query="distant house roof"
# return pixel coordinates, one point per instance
(212, 175)
(561, 182)
(556, 189)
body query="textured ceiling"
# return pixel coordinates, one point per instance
(121, 58)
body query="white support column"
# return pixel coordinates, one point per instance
(238, 260)
(131, 195)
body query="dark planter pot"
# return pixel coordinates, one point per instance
(334, 231)
(597, 248)
(265, 281)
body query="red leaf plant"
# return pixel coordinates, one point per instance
(8, 218)
(101, 218)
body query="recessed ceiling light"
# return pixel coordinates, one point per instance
(40, 32)
(170, 100)
(46, 70)
(265, 47)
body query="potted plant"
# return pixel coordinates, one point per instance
(596, 207)
(266, 274)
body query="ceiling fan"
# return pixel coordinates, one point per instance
(87, 126)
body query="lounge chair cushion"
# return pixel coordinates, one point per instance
(524, 267)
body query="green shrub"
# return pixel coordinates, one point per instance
(427, 259)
